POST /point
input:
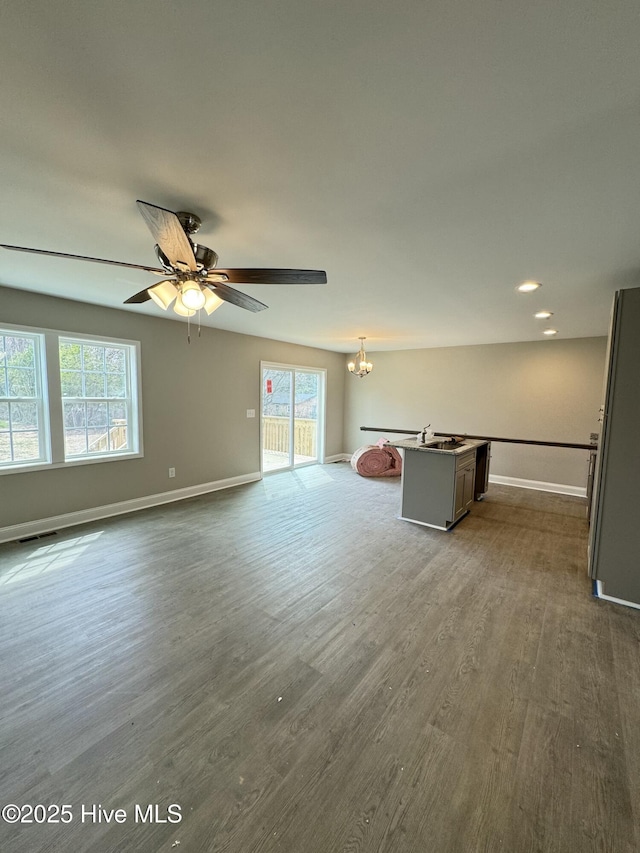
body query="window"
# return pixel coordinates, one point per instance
(23, 434)
(66, 400)
(95, 381)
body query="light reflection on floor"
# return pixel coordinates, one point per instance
(286, 482)
(58, 555)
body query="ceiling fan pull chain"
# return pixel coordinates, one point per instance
(188, 330)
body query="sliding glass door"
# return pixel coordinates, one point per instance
(292, 416)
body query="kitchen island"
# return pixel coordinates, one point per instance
(441, 479)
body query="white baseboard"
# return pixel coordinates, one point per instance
(600, 594)
(338, 457)
(56, 522)
(539, 485)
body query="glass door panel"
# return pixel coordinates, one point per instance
(277, 396)
(292, 417)
(305, 419)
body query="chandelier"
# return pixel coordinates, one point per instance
(360, 366)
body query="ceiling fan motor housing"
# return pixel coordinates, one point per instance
(206, 258)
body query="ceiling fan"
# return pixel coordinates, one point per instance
(193, 281)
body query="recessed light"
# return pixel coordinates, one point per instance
(528, 286)
(550, 332)
(543, 315)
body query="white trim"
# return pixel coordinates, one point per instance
(338, 457)
(600, 594)
(423, 523)
(539, 485)
(69, 519)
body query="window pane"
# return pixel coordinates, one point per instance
(22, 383)
(5, 447)
(116, 385)
(71, 383)
(93, 358)
(75, 442)
(97, 414)
(119, 437)
(114, 360)
(19, 352)
(94, 385)
(98, 440)
(70, 356)
(26, 446)
(75, 415)
(24, 416)
(4, 416)
(117, 412)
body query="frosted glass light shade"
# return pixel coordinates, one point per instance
(192, 296)
(211, 301)
(181, 309)
(163, 294)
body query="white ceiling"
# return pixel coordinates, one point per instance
(428, 154)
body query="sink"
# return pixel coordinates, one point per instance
(444, 445)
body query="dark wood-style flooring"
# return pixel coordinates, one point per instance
(301, 672)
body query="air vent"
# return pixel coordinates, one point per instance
(38, 536)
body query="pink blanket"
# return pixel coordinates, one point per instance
(377, 460)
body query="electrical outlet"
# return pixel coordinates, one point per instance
(251, 413)
(172, 472)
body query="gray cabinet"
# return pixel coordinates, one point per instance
(464, 488)
(614, 546)
(437, 487)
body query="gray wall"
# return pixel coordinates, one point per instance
(549, 390)
(194, 400)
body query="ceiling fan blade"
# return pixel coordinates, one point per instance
(261, 276)
(230, 294)
(169, 235)
(142, 296)
(83, 258)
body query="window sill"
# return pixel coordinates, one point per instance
(69, 463)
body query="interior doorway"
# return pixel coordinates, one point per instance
(292, 409)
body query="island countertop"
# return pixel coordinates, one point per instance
(413, 444)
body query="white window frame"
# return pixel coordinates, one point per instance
(40, 400)
(53, 420)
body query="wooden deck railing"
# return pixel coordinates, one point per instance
(113, 439)
(275, 436)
